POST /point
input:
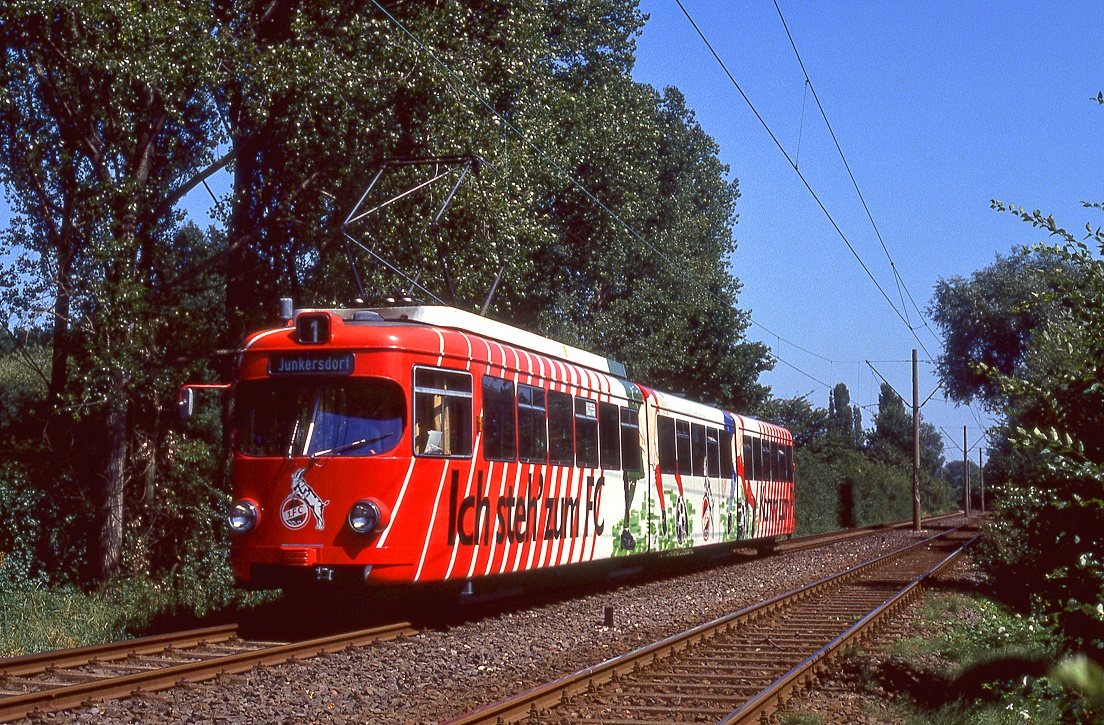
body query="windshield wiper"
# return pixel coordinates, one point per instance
(349, 446)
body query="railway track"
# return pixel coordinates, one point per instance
(65, 679)
(68, 678)
(743, 667)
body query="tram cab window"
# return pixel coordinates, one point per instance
(499, 424)
(561, 434)
(630, 441)
(324, 417)
(665, 433)
(609, 437)
(683, 448)
(726, 454)
(586, 433)
(442, 412)
(712, 453)
(749, 459)
(532, 417)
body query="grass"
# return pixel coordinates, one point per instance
(58, 618)
(40, 618)
(981, 663)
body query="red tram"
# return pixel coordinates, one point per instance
(428, 444)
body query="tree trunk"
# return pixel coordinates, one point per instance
(59, 357)
(111, 533)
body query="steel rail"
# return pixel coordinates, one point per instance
(528, 703)
(72, 695)
(35, 663)
(774, 698)
(830, 537)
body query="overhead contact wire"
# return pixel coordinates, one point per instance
(901, 284)
(789, 160)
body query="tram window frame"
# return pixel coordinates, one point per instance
(443, 404)
(712, 452)
(499, 422)
(697, 444)
(749, 457)
(757, 458)
(665, 437)
(561, 429)
(586, 433)
(532, 424)
(727, 469)
(632, 459)
(684, 447)
(609, 437)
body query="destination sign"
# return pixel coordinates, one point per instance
(308, 363)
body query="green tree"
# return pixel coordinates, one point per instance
(99, 138)
(807, 423)
(891, 438)
(988, 320)
(1047, 545)
(844, 419)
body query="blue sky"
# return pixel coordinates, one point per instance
(938, 107)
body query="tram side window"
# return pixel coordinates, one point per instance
(757, 458)
(683, 447)
(789, 470)
(609, 436)
(697, 442)
(532, 424)
(775, 476)
(665, 432)
(442, 413)
(749, 459)
(712, 453)
(765, 462)
(561, 434)
(783, 463)
(630, 441)
(499, 426)
(726, 454)
(586, 433)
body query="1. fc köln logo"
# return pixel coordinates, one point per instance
(297, 509)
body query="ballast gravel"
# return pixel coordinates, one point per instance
(437, 675)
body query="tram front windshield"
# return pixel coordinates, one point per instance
(311, 417)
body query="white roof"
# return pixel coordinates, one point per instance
(452, 318)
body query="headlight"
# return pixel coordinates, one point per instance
(364, 517)
(243, 516)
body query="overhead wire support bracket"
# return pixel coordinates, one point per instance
(464, 163)
(470, 162)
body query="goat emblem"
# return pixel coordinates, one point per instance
(302, 504)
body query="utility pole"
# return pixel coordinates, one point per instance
(966, 471)
(981, 475)
(915, 442)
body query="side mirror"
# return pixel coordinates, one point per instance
(186, 405)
